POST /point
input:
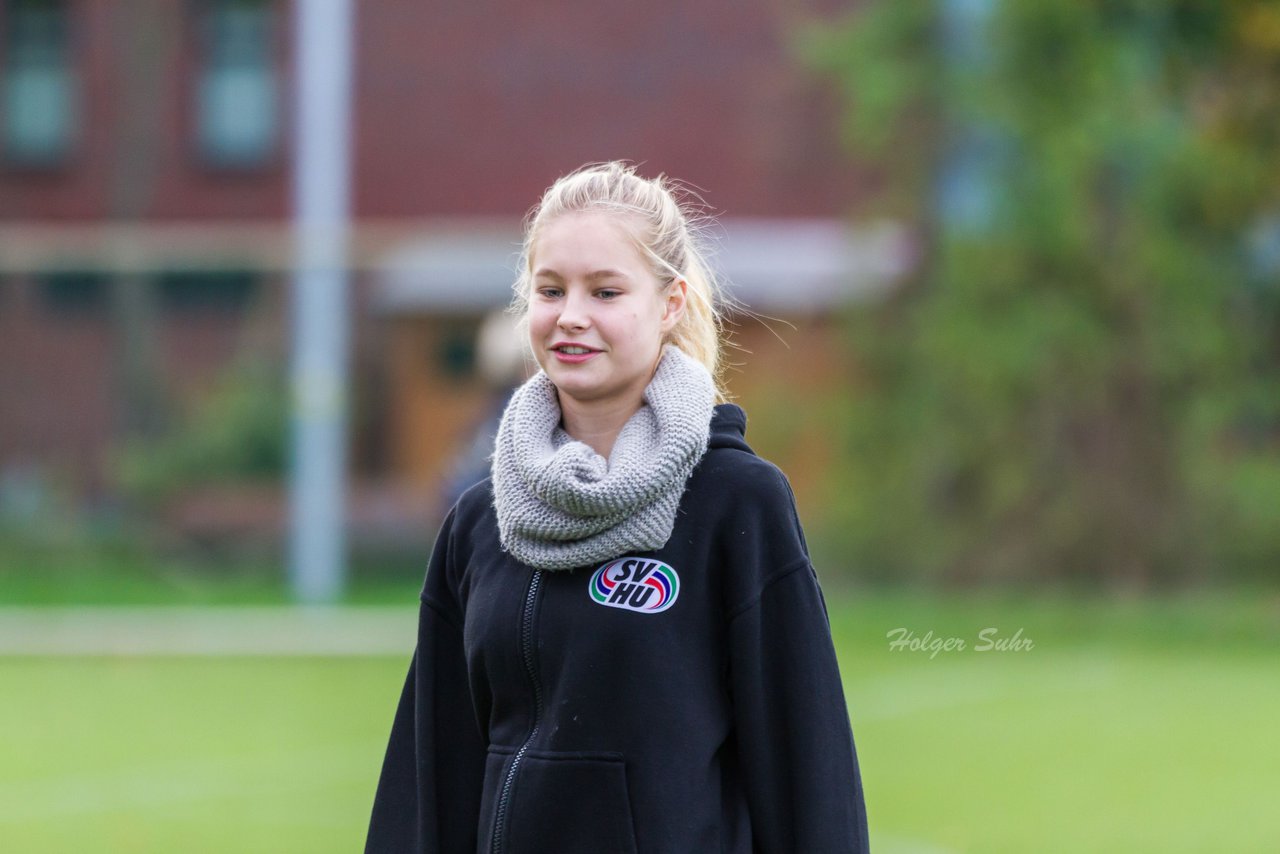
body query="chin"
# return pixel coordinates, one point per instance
(591, 386)
(581, 392)
(580, 386)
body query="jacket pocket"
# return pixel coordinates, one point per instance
(570, 803)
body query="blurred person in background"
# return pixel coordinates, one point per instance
(502, 364)
(622, 643)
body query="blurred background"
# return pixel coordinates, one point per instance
(1008, 276)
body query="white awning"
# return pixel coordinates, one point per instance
(770, 265)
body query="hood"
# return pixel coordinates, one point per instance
(729, 428)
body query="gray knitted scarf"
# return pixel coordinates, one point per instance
(562, 505)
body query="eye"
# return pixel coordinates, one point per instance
(548, 292)
(608, 293)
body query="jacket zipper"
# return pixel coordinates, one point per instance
(526, 647)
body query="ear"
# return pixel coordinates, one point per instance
(673, 304)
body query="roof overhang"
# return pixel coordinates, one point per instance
(770, 265)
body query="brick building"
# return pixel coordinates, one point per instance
(144, 185)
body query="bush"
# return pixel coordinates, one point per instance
(238, 431)
(1079, 381)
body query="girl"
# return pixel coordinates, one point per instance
(622, 646)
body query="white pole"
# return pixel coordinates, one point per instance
(323, 38)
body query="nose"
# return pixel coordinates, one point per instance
(573, 312)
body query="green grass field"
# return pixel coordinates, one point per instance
(1129, 726)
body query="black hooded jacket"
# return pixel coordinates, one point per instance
(678, 701)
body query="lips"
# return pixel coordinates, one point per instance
(572, 353)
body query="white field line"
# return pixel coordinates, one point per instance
(145, 787)
(208, 631)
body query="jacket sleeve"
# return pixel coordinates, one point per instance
(795, 743)
(428, 796)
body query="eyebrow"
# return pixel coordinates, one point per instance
(546, 273)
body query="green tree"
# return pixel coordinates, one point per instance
(1084, 384)
(235, 432)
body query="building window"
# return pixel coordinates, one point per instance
(39, 87)
(74, 293)
(455, 352)
(237, 88)
(219, 291)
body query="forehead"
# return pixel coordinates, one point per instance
(587, 239)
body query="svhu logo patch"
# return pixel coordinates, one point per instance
(635, 584)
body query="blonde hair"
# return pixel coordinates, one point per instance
(667, 223)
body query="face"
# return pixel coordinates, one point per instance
(597, 313)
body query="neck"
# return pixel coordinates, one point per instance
(597, 423)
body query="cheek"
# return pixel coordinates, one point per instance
(540, 320)
(648, 323)
(637, 336)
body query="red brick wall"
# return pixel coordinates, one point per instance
(55, 386)
(58, 381)
(475, 107)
